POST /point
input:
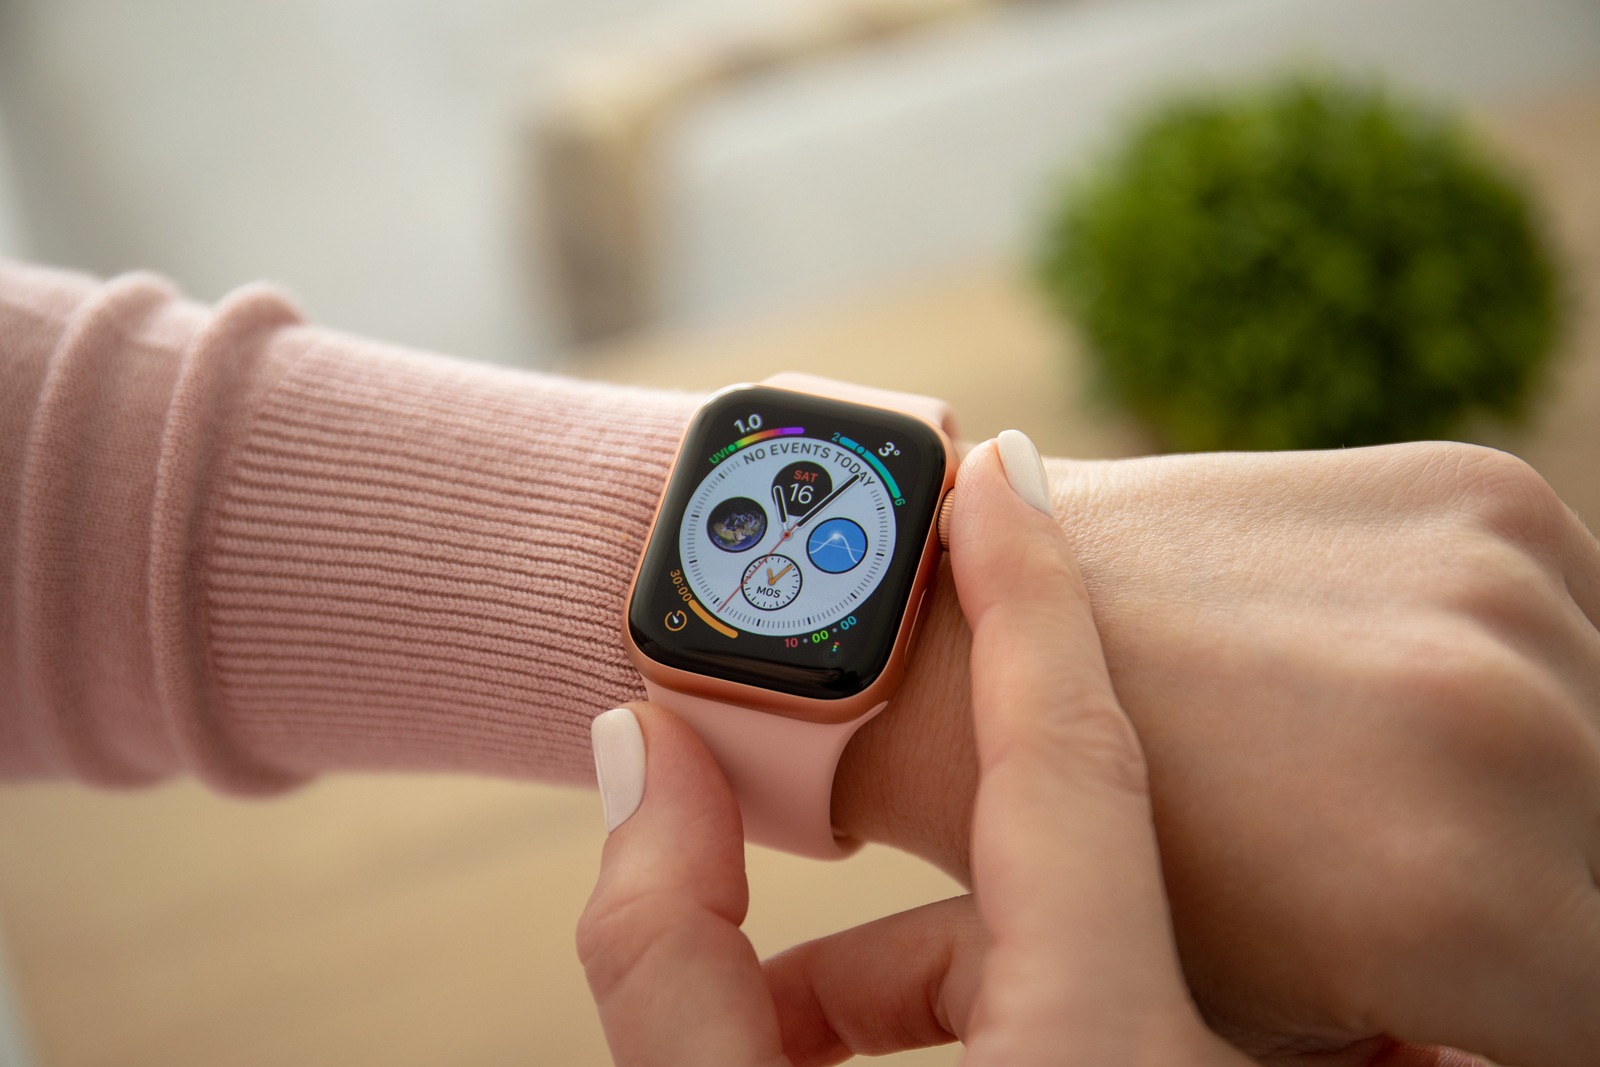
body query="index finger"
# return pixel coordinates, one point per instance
(1065, 862)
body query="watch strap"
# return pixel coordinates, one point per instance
(927, 408)
(781, 769)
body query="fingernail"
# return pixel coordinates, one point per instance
(1025, 470)
(618, 763)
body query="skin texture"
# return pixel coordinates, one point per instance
(1064, 955)
(1366, 683)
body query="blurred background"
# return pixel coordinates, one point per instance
(682, 193)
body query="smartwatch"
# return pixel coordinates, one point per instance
(781, 583)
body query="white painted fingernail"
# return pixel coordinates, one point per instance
(1025, 470)
(618, 763)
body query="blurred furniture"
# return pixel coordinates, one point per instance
(425, 921)
(598, 146)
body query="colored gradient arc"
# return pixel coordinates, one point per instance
(866, 454)
(745, 442)
(763, 435)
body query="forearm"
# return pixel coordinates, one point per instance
(254, 550)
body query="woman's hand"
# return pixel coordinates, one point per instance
(1064, 955)
(1367, 684)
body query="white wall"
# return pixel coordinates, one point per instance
(362, 152)
(943, 150)
(13, 239)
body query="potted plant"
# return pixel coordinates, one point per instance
(1312, 264)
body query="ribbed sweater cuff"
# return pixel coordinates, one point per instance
(415, 563)
(259, 551)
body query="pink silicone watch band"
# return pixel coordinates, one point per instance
(782, 769)
(927, 408)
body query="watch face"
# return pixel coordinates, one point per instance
(788, 542)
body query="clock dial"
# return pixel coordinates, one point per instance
(811, 553)
(788, 542)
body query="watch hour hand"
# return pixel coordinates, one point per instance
(783, 512)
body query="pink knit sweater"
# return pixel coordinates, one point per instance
(240, 546)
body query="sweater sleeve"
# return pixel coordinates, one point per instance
(239, 546)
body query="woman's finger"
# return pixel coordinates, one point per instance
(674, 978)
(906, 981)
(1082, 968)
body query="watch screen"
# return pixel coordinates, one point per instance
(788, 541)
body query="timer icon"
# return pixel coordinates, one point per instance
(772, 583)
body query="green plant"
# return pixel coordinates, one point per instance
(1309, 265)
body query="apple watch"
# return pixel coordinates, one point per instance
(781, 582)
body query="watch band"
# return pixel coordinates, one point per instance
(782, 769)
(926, 408)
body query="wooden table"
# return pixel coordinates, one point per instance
(425, 921)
